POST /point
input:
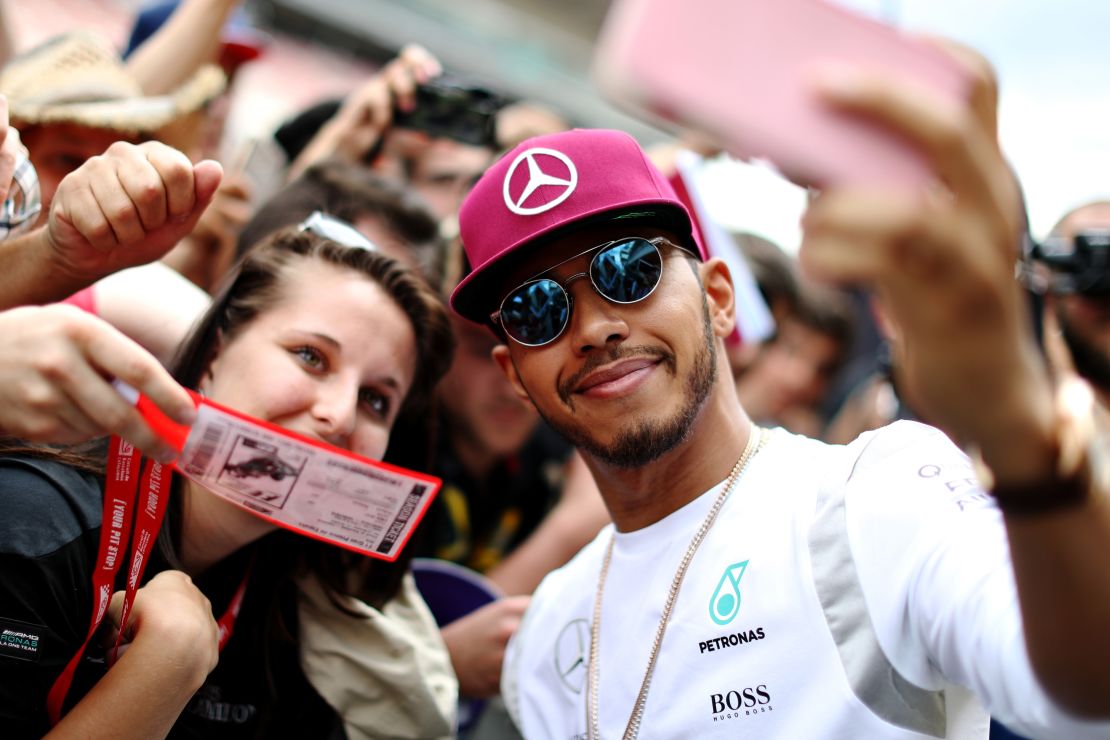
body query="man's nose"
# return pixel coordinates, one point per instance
(594, 321)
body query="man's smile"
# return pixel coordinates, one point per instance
(616, 372)
(617, 379)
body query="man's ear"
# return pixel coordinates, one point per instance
(716, 279)
(504, 360)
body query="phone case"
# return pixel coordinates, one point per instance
(739, 71)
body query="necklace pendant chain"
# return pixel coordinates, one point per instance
(756, 439)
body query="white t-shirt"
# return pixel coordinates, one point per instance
(813, 609)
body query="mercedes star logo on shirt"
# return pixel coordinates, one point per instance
(572, 654)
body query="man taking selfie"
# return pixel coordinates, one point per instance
(759, 584)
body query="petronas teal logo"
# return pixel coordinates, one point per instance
(725, 603)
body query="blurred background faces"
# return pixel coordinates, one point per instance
(1052, 59)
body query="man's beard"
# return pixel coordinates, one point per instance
(1090, 360)
(646, 441)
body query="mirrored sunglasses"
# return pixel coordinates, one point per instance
(622, 271)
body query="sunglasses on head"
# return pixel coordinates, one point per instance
(622, 271)
(336, 230)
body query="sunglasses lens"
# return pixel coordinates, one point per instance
(628, 271)
(535, 313)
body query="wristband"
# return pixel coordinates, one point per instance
(1044, 496)
(1077, 470)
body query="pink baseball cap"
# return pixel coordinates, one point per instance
(548, 185)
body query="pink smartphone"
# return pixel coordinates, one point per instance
(740, 71)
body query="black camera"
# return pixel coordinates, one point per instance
(1078, 265)
(451, 108)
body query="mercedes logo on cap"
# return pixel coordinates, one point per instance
(542, 164)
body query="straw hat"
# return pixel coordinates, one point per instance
(79, 78)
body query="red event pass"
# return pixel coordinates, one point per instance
(296, 482)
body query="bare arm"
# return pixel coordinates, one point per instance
(572, 523)
(943, 262)
(28, 275)
(153, 305)
(1061, 570)
(172, 649)
(189, 39)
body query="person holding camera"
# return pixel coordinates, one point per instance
(1074, 275)
(408, 122)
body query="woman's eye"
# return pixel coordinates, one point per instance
(376, 402)
(310, 356)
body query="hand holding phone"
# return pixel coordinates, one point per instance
(742, 71)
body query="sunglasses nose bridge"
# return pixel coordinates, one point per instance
(594, 320)
(573, 278)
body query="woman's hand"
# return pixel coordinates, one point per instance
(173, 616)
(171, 648)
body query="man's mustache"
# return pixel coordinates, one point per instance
(613, 354)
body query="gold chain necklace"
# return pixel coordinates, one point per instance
(756, 439)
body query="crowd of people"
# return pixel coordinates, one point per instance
(885, 520)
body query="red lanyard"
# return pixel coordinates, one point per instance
(119, 500)
(154, 491)
(226, 623)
